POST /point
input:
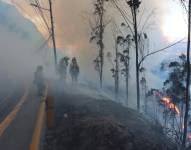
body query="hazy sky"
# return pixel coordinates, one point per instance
(72, 35)
(19, 41)
(72, 27)
(71, 22)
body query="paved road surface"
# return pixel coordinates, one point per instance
(17, 118)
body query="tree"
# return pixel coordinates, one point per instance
(175, 88)
(154, 95)
(143, 83)
(125, 42)
(115, 72)
(133, 27)
(143, 50)
(188, 74)
(97, 34)
(134, 4)
(137, 32)
(115, 66)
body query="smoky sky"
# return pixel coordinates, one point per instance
(72, 26)
(73, 33)
(18, 43)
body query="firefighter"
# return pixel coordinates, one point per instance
(39, 80)
(74, 70)
(62, 68)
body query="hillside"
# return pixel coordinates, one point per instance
(84, 122)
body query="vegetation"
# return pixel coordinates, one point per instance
(176, 86)
(98, 26)
(188, 75)
(125, 42)
(174, 97)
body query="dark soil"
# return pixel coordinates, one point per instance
(86, 123)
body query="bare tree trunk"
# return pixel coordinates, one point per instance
(137, 56)
(98, 35)
(116, 71)
(165, 118)
(128, 64)
(127, 73)
(101, 43)
(181, 119)
(187, 80)
(127, 81)
(145, 97)
(101, 65)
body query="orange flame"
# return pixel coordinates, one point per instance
(170, 104)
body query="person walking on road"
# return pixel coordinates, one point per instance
(62, 68)
(74, 70)
(39, 80)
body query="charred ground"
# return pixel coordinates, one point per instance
(84, 122)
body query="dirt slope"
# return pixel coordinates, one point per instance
(87, 123)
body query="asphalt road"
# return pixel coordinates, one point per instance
(18, 109)
(8, 100)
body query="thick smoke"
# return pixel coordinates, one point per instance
(19, 40)
(73, 32)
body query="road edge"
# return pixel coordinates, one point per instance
(39, 125)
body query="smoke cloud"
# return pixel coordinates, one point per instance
(73, 33)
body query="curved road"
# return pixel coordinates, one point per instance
(18, 111)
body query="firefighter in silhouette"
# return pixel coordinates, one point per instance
(74, 70)
(62, 68)
(39, 80)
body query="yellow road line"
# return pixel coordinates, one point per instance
(36, 138)
(8, 120)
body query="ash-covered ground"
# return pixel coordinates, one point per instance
(86, 120)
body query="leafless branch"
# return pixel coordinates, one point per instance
(160, 50)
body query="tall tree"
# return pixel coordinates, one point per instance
(97, 34)
(143, 41)
(175, 85)
(134, 4)
(115, 70)
(172, 97)
(133, 26)
(188, 78)
(125, 42)
(115, 67)
(137, 30)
